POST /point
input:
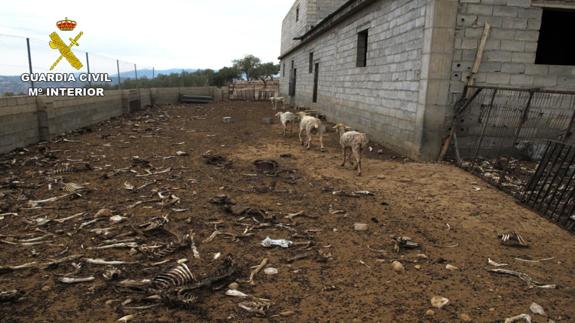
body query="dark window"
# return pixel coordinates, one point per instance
(297, 14)
(362, 49)
(554, 47)
(284, 70)
(315, 82)
(311, 62)
(292, 83)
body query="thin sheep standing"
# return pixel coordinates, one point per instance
(285, 118)
(351, 141)
(310, 125)
(275, 100)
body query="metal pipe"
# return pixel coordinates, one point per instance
(88, 67)
(29, 61)
(118, 70)
(521, 89)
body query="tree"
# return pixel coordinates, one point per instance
(225, 76)
(247, 65)
(266, 72)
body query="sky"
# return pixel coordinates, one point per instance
(162, 34)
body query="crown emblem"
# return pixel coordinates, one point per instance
(66, 24)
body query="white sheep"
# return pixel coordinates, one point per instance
(287, 118)
(275, 100)
(351, 141)
(310, 125)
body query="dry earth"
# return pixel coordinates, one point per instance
(346, 276)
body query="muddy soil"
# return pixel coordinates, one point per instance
(331, 272)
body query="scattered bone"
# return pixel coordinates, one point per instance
(87, 223)
(112, 273)
(524, 317)
(513, 239)
(451, 267)
(353, 194)
(36, 203)
(268, 242)
(103, 213)
(534, 261)
(259, 306)
(7, 269)
(135, 284)
(236, 293)
(526, 278)
(117, 219)
(256, 270)
(271, 271)
(439, 301)
(300, 256)
(115, 245)
(404, 243)
(177, 276)
(107, 262)
(74, 188)
(62, 220)
(126, 318)
(537, 309)
(128, 186)
(360, 226)
(495, 264)
(9, 295)
(154, 224)
(54, 263)
(74, 280)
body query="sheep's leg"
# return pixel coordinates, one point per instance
(300, 138)
(357, 157)
(308, 141)
(285, 130)
(344, 151)
(321, 142)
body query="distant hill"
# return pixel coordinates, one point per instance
(12, 83)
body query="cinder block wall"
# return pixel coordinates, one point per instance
(382, 98)
(20, 119)
(509, 58)
(18, 122)
(508, 61)
(70, 113)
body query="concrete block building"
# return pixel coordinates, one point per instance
(394, 68)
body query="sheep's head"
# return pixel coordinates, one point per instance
(279, 114)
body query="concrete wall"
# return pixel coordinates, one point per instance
(510, 52)
(310, 13)
(18, 122)
(28, 120)
(382, 98)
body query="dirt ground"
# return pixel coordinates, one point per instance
(331, 272)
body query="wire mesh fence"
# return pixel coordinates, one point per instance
(520, 140)
(19, 55)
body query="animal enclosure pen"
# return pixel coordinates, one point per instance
(501, 135)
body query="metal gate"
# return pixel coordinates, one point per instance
(489, 121)
(551, 190)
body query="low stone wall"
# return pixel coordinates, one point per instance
(28, 120)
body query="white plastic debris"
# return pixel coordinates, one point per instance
(537, 309)
(268, 242)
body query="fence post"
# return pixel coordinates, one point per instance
(524, 115)
(485, 125)
(118, 71)
(153, 73)
(88, 67)
(571, 121)
(29, 61)
(136, 72)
